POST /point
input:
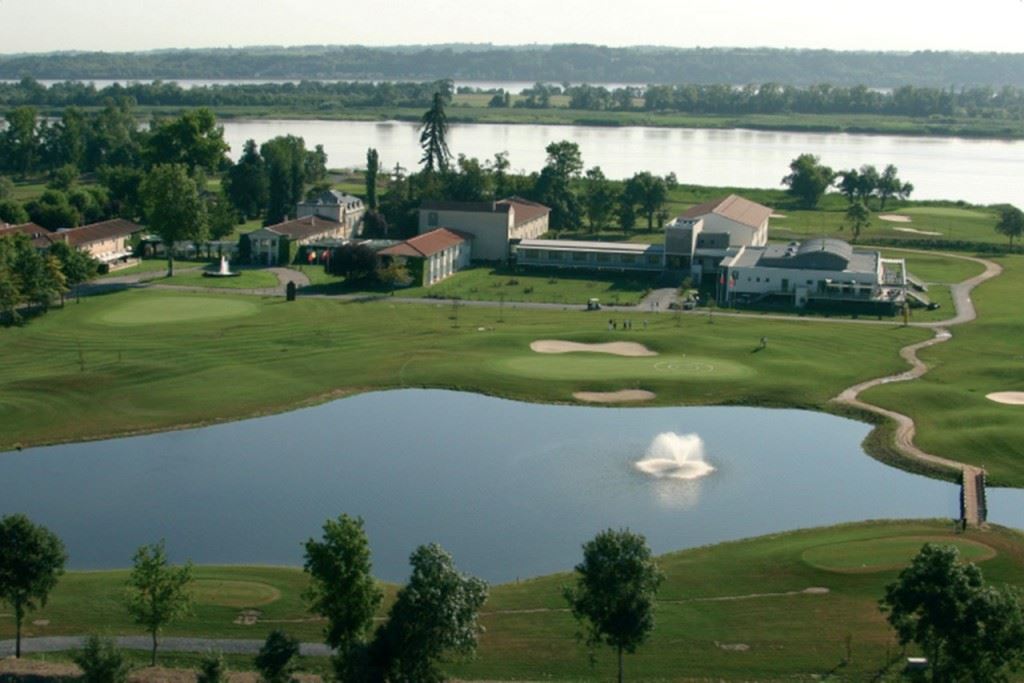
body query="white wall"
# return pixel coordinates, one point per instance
(490, 230)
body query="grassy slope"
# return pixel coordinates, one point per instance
(529, 635)
(155, 376)
(954, 417)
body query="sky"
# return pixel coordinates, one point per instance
(127, 25)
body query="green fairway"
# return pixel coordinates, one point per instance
(882, 554)
(751, 593)
(175, 309)
(150, 359)
(597, 367)
(954, 418)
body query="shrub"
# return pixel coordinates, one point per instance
(212, 669)
(274, 661)
(101, 662)
(103, 269)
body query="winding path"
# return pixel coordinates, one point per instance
(905, 427)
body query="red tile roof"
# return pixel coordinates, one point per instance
(40, 236)
(427, 244)
(525, 210)
(96, 232)
(733, 207)
(305, 227)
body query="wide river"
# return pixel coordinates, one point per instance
(977, 171)
(510, 489)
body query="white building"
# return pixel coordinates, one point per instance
(818, 271)
(698, 239)
(432, 256)
(591, 255)
(495, 226)
(277, 244)
(334, 206)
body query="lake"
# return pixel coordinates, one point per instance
(510, 489)
(977, 171)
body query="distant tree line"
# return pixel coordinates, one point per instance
(1006, 102)
(552, 63)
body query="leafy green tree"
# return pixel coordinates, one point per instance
(246, 182)
(808, 180)
(285, 157)
(114, 137)
(173, 207)
(11, 211)
(858, 217)
(890, 185)
(20, 145)
(316, 167)
(193, 139)
(212, 669)
(599, 197)
(1011, 222)
(372, 170)
(221, 216)
(123, 185)
(77, 266)
(157, 593)
(647, 191)
(614, 593)
(433, 615)
(63, 178)
(341, 587)
(31, 561)
(554, 186)
(92, 203)
(53, 210)
(6, 187)
(499, 167)
(64, 141)
(970, 631)
(276, 659)
(101, 661)
(433, 137)
(352, 261)
(470, 183)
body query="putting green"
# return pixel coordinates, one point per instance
(883, 554)
(588, 366)
(236, 594)
(176, 309)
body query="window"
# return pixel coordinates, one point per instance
(579, 256)
(432, 218)
(528, 253)
(554, 256)
(603, 258)
(653, 260)
(627, 258)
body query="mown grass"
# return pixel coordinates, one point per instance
(954, 418)
(154, 266)
(246, 279)
(490, 283)
(118, 378)
(744, 593)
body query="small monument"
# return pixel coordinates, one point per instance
(224, 271)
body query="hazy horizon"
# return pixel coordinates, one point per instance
(28, 26)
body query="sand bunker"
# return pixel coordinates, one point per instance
(1010, 398)
(613, 396)
(918, 232)
(894, 217)
(614, 348)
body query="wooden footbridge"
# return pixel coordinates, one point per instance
(973, 506)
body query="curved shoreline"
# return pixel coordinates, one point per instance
(906, 429)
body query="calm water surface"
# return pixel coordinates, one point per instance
(977, 171)
(511, 489)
